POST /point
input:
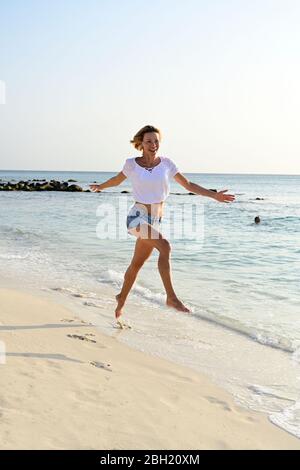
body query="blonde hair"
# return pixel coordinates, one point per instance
(138, 138)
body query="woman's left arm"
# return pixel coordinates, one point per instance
(195, 188)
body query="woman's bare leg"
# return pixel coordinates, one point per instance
(150, 238)
(164, 267)
(141, 254)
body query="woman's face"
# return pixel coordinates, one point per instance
(150, 142)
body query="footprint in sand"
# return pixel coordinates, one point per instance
(221, 403)
(101, 365)
(83, 337)
(88, 303)
(122, 325)
(83, 321)
(78, 320)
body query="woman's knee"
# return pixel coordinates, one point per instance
(165, 247)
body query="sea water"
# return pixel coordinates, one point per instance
(240, 279)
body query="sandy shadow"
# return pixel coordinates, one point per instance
(41, 327)
(57, 357)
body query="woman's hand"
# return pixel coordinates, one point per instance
(95, 188)
(221, 197)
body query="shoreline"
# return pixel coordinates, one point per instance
(82, 389)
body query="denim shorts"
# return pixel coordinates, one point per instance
(137, 216)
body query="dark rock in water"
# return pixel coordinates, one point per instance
(74, 187)
(124, 192)
(40, 185)
(58, 186)
(46, 187)
(183, 194)
(259, 199)
(72, 181)
(87, 191)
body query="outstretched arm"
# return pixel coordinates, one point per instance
(114, 181)
(195, 188)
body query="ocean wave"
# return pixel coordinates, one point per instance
(279, 403)
(116, 279)
(20, 232)
(13, 256)
(288, 419)
(273, 392)
(261, 336)
(287, 217)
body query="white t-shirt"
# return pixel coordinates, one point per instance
(150, 186)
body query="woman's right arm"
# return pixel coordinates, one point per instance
(114, 181)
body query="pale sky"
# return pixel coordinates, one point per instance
(220, 78)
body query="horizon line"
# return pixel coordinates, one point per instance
(187, 172)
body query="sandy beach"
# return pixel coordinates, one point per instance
(181, 115)
(65, 385)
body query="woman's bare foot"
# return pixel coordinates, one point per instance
(121, 302)
(177, 304)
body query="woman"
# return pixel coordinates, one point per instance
(150, 176)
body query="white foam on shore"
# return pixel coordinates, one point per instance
(116, 279)
(288, 419)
